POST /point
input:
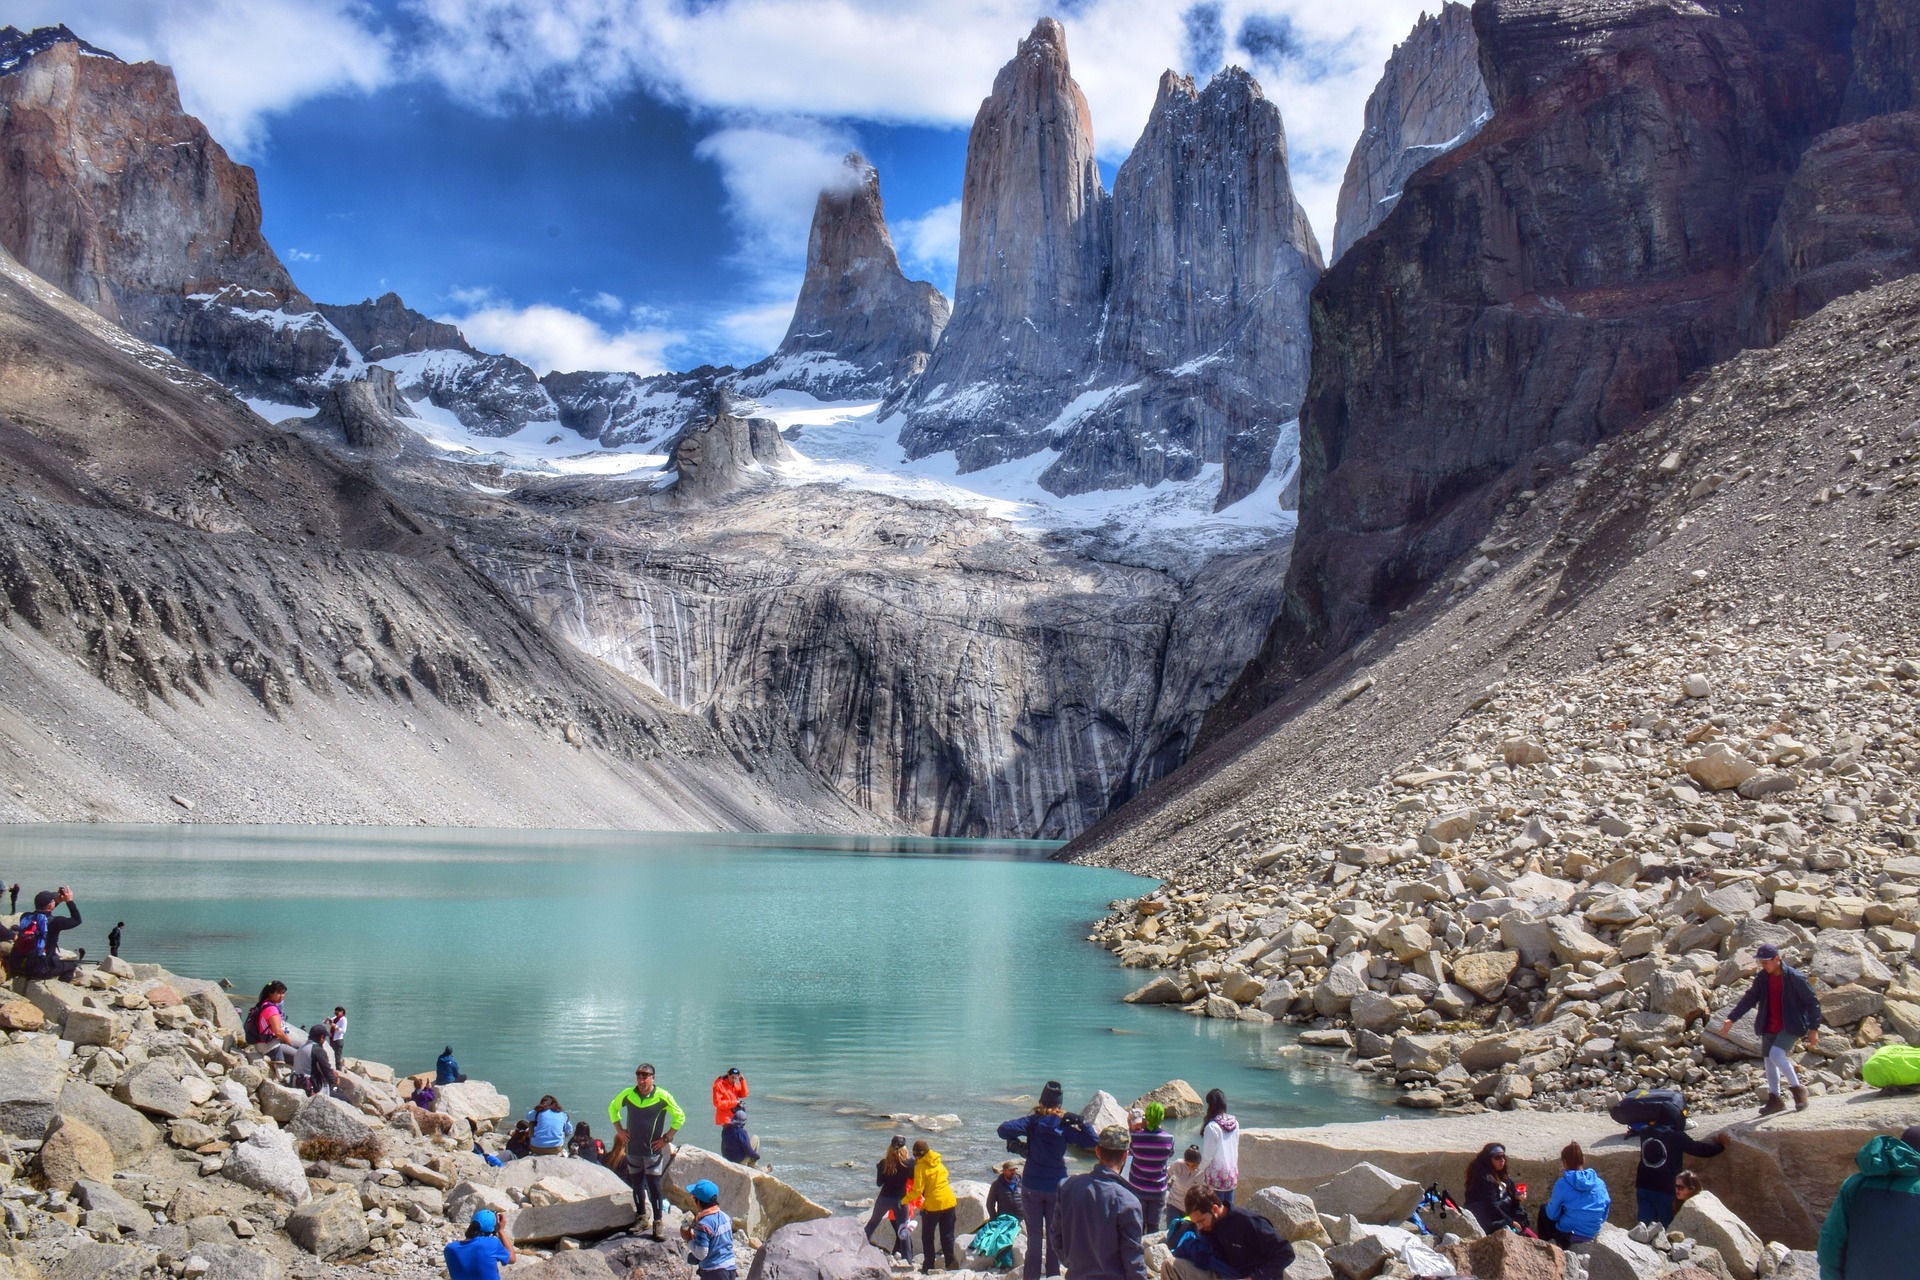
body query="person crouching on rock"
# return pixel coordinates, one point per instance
(736, 1144)
(1578, 1207)
(311, 1066)
(1786, 1010)
(1216, 1240)
(938, 1206)
(709, 1236)
(478, 1257)
(645, 1118)
(1490, 1194)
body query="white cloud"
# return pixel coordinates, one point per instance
(774, 171)
(237, 61)
(607, 302)
(758, 329)
(930, 243)
(548, 338)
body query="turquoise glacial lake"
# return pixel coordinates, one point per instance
(851, 979)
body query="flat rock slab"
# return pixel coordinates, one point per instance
(830, 1249)
(32, 1074)
(594, 1216)
(129, 1133)
(594, 1179)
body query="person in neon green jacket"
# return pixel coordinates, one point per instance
(645, 1118)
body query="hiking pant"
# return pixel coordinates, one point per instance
(1653, 1206)
(1149, 1215)
(1774, 1049)
(938, 1221)
(882, 1207)
(1043, 1234)
(648, 1192)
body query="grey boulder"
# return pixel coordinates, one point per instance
(825, 1249)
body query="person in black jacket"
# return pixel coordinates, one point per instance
(1786, 1009)
(892, 1175)
(1490, 1194)
(1004, 1195)
(1213, 1240)
(1661, 1149)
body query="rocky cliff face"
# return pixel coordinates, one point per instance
(1034, 247)
(723, 451)
(1539, 288)
(113, 193)
(630, 408)
(385, 326)
(1430, 99)
(860, 327)
(1203, 353)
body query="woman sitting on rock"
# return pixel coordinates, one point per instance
(1491, 1196)
(1578, 1207)
(551, 1127)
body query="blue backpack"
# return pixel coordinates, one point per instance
(31, 940)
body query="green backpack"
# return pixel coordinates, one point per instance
(1892, 1066)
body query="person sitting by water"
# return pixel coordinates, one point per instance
(736, 1144)
(585, 1146)
(1047, 1131)
(446, 1070)
(1147, 1165)
(893, 1174)
(487, 1245)
(1220, 1149)
(36, 939)
(939, 1207)
(1003, 1196)
(423, 1097)
(1490, 1194)
(1215, 1239)
(311, 1066)
(267, 1024)
(729, 1091)
(1182, 1176)
(709, 1235)
(551, 1127)
(1578, 1207)
(520, 1141)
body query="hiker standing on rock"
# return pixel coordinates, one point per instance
(1870, 1231)
(1045, 1134)
(645, 1118)
(892, 1175)
(1147, 1169)
(1220, 1149)
(1786, 1010)
(729, 1091)
(337, 1035)
(939, 1207)
(1100, 1223)
(1662, 1147)
(113, 939)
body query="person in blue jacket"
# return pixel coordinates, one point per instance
(1047, 1131)
(446, 1070)
(1578, 1207)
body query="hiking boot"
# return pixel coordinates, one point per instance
(1774, 1105)
(1800, 1099)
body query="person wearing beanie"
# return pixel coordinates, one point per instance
(939, 1207)
(1043, 1136)
(1785, 1009)
(1147, 1170)
(487, 1245)
(1100, 1223)
(1870, 1230)
(36, 940)
(709, 1235)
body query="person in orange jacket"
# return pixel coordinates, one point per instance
(729, 1091)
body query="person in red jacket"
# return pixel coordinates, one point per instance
(729, 1091)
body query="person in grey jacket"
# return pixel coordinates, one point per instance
(1100, 1217)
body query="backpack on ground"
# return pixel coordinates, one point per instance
(1650, 1108)
(1892, 1066)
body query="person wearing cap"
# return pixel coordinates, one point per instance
(1183, 1175)
(645, 1118)
(729, 1091)
(1147, 1169)
(709, 1235)
(1004, 1195)
(487, 1245)
(938, 1206)
(1099, 1217)
(1870, 1230)
(1785, 1009)
(1216, 1239)
(36, 946)
(1046, 1131)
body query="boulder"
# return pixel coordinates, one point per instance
(210, 1004)
(1293, 1215)
(155, 1087)
(19, 1015)
(757, 1201)
(1346, 978)
(1485, 973)
(1679, 993)
(830, 1249)
(1707, 1219)
(92, 1260)
(593, 1215)
(72, 1151)
(1572, 944)
(1718, 769)
(267, 1162)
(1644, 1031)
(1180, 1099)
(970, 1207)
(191, 1200)
(324, 1117)
(90, 1026)
(1162, 990)
(591, 1178)
(97, 1196)
(237, 1262)
(32, 1074)
(580, 1264)
(471, 1100)
(1369, 1193)
(1844, 1006)
(778, 1205)
(1612, 1255)
(331, 1227)
(1507, 1256)
(1102, 1110)
(1309, 1262)
(129, 1133)
(468, 1198)
(279, 1101)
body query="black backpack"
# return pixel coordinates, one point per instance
(1650, 1108)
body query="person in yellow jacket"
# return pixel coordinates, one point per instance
(938, 1205)
(645, 1118)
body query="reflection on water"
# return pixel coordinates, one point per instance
(852, 979)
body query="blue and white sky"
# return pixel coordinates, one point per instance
(627, 183)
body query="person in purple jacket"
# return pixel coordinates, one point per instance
(1147, 1166)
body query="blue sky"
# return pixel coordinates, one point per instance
(627, 183)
